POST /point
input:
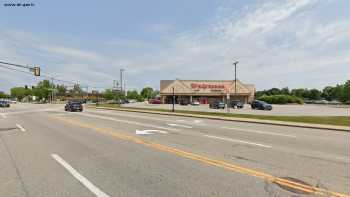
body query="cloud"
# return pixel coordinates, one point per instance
(278, 43)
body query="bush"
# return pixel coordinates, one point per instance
(281, 99)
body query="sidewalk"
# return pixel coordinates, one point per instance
(248, 120)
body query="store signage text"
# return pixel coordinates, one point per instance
(206, 86)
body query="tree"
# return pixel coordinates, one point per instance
(147, 92)
(19, 92)
(108, 94)
(314, 94)
(61, 90)
(327, 93)
(76, 91)
(132, 94)
(3, 95)
(285, 91)
(346, 92)
(42, 90)
(300, 92)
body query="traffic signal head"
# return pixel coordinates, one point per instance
(36, 71)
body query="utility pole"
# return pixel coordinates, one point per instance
(173, 109)
(52, 90)
(121, 80)
(235, 64)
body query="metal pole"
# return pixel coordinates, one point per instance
(173, 109)
(52, 93)
(121, 81)
(235, 63)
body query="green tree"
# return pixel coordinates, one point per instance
(61, 90)
(3, 95)
(327, 93)
(300, 92)
(18, 93)
(108, 94)
(132, 94)
(314, 94)
(147, 92)
(42, 90)
(346, 92)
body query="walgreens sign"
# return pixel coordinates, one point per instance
(206, 86)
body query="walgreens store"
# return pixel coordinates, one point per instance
(205, 91)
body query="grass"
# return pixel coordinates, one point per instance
(324, 120)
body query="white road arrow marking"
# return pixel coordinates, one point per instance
(148, 132)
(179, 125)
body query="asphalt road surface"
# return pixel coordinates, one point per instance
(45, 151)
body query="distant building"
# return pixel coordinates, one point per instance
(205, 91)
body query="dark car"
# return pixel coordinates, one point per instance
(217, 105)
(4, 104)
(261, 105)
(237, 104)
(74, 106)
(184, 102)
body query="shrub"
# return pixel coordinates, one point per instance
(281, 99)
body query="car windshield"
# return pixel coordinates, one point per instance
(175, 98)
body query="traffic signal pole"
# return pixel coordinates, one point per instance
(34, 69)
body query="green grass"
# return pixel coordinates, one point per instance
(326, 120)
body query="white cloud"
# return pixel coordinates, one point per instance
(278, 43)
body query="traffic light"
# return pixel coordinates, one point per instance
(36, 71)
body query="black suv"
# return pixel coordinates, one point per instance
(237, 104)
(4, 104)
(73, 106)
(217, 105)
(261, 105)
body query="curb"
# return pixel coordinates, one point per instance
(233, 119)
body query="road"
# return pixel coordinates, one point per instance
(46, 151)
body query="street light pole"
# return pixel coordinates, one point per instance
(121, 81)
(173, 109)
(235, 64)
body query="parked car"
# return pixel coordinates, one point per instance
(4, 104)
(217, 105)
(132, 101)
(261, 105)
(154, 101)
(74, 106)
(184, 102)
(195, 103)
(237, 104)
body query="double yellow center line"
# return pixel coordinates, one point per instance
(206, 160)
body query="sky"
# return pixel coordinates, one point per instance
(278, 43)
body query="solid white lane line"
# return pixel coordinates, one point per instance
(179, 125)
(259, 132)
(95, 190)
(20, 128)
(238, 141)
(127, 121)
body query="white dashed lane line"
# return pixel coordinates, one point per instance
(90, 186)
(21, 128)
(259, 132)
(238, 141)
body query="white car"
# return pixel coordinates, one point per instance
(195, 103)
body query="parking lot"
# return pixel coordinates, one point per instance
(278, 110)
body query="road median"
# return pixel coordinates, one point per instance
(337, 123)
